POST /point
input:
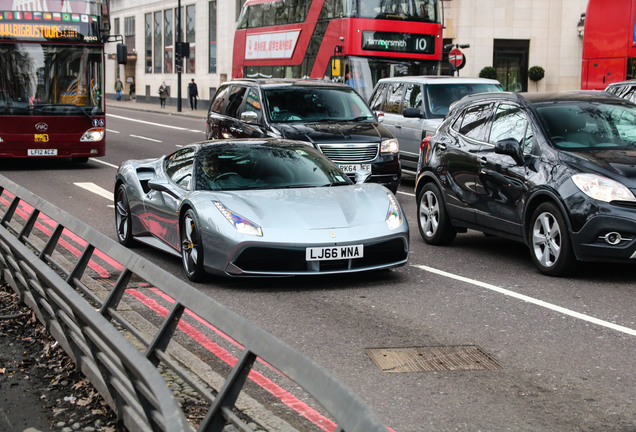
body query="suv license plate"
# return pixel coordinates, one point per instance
(352, 169)
(42, 152)
(334, 252)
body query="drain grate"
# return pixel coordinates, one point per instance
(432, 359)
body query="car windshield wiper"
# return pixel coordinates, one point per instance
(301, 185)
(338, 183)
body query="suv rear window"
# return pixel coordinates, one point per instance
(440, 96)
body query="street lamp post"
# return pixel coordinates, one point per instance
(178, 56)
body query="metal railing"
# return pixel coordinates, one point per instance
(121, 352)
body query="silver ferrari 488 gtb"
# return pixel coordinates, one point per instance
(259, 207)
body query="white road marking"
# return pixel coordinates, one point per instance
(92, 187)
(105, 163)
(532, 300)
(406, 193)
(112, 131)
(146, 138)
(153, 124)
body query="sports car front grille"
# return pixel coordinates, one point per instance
(350, 153)
(280, 260)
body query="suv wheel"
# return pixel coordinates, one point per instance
(432, 219)
(550, 242)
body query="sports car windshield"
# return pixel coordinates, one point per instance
(241, 167)
(588, 126)
(294, 104)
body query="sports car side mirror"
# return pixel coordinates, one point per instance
(162, 185)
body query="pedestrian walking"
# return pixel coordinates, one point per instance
(131, 90)
(193, 92)
(163, 94)
(118, 88)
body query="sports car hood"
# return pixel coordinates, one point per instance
(310, 208)
(618, 164)
(334, 131)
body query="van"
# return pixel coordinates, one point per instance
(411, 107)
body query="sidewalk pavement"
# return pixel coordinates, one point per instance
(139, 104)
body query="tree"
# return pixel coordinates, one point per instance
(488, 72)
(536, 74)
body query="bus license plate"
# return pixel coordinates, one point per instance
(353, 168)
(42, 152)
(334, 252)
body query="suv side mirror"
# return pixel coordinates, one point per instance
(412, 113)
(510, 147)
(249, 117)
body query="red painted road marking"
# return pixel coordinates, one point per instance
(274, 389)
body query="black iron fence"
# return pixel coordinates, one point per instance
(54, 262)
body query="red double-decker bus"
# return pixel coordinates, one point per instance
(52, 78)
(354, 41)
(609, 43)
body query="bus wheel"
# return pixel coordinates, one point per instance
(79, 159)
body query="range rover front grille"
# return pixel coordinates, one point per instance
(350, 153)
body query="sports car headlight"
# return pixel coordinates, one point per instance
(602, 188)
(241, 224)
(92, 135)
(389, 146)
(393, 215)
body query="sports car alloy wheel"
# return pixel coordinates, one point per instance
(550, 241)
(122, 217)
(432, 219)
(191, 248)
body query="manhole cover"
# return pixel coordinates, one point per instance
(431, 359)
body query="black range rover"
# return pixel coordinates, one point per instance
(331, 116)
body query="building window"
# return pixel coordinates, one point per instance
(129, 33)
(158, 52)
(190, 21)
(168, 41)
(239, 6)
(148, 42)
(212, 30)
(117, 26)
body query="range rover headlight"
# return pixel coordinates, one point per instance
(393, 214)
(241, 224)
(389, 146)
(92, 135)
(601, 188)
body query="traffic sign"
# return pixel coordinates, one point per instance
(456, 58)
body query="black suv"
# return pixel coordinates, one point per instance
(554, 171)
(330, 116)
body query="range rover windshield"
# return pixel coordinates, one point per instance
(295, 104)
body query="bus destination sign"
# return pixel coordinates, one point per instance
(48, 26)
(398, 42)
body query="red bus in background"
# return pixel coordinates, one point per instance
(609, 43)
(353, 41)
(52, 79)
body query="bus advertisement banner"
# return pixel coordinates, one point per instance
(271, 45)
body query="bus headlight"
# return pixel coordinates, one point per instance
(92, 135)
(389, 146)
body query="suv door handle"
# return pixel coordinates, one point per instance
(441, 146)
(398, 126)
(483, 160)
